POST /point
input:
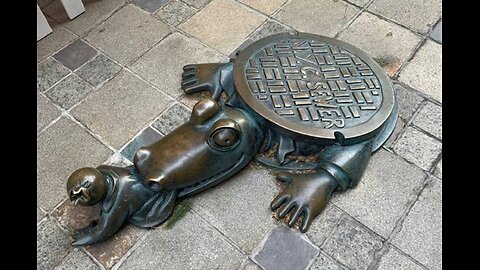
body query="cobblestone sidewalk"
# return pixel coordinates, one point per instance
(108, 82)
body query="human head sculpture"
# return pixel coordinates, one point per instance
(87, 186)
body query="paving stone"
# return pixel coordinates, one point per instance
(285, 249)
(46, 112)
(269, 28)
(69, 91)
(438, 170)
(419, 148)
(172, 118)
(418, 15)
(120, 108)
(192, 99)
(249, 265)
(385, 190)
(50, 72)
(54, 41)
(190, 244)
(242, 46)
(75, 54)
(393, 259)
(352, 244)
(176, 12)
(98, 70)
(73, 217)
(397, 132)
(147, 137)
(265, 6)
(52, 245)
(77, 259)
(424, 72)
(436, 33)
(229, 33)
(61, 149)
(322, 262)
(360, 3)
(307, 16)
(421, 233)
(252, 190)
(163, 64)
(40, 214)
(150, 5)
(109, 252)
(44, 3)
(408, 101)
(430, 119)
(388, 44)
(119, 160)
(127, 34)
(324, 224)
(197, 3)
(95, 12)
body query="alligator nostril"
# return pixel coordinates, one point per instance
(141, 155)
(153, 185)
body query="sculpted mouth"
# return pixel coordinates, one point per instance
(78, 195)
(211, 180)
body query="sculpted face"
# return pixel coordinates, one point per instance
(212, 145)
(86, 186)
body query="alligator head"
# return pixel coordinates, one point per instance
(214, 144)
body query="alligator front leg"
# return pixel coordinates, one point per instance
(214, 77)
(307, 195)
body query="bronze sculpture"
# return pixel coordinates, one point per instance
(123, 197)
(295, 94)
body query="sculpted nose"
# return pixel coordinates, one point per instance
(141, 155)
(141, 160)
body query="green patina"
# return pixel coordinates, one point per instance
(179, 212)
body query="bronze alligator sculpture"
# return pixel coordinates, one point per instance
(293, 94)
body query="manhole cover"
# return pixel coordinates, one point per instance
(315, 86)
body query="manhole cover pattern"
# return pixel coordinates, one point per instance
(313, 83)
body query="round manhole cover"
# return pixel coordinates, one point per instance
(314, 86)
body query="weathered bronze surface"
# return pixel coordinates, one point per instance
(123, 197)
(320, 105)
(315, 87)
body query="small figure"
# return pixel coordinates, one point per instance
(124, 197)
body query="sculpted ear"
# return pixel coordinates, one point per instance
(204, 110)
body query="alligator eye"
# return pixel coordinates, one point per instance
(225, 137)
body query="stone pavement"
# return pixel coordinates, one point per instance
(108, 82)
